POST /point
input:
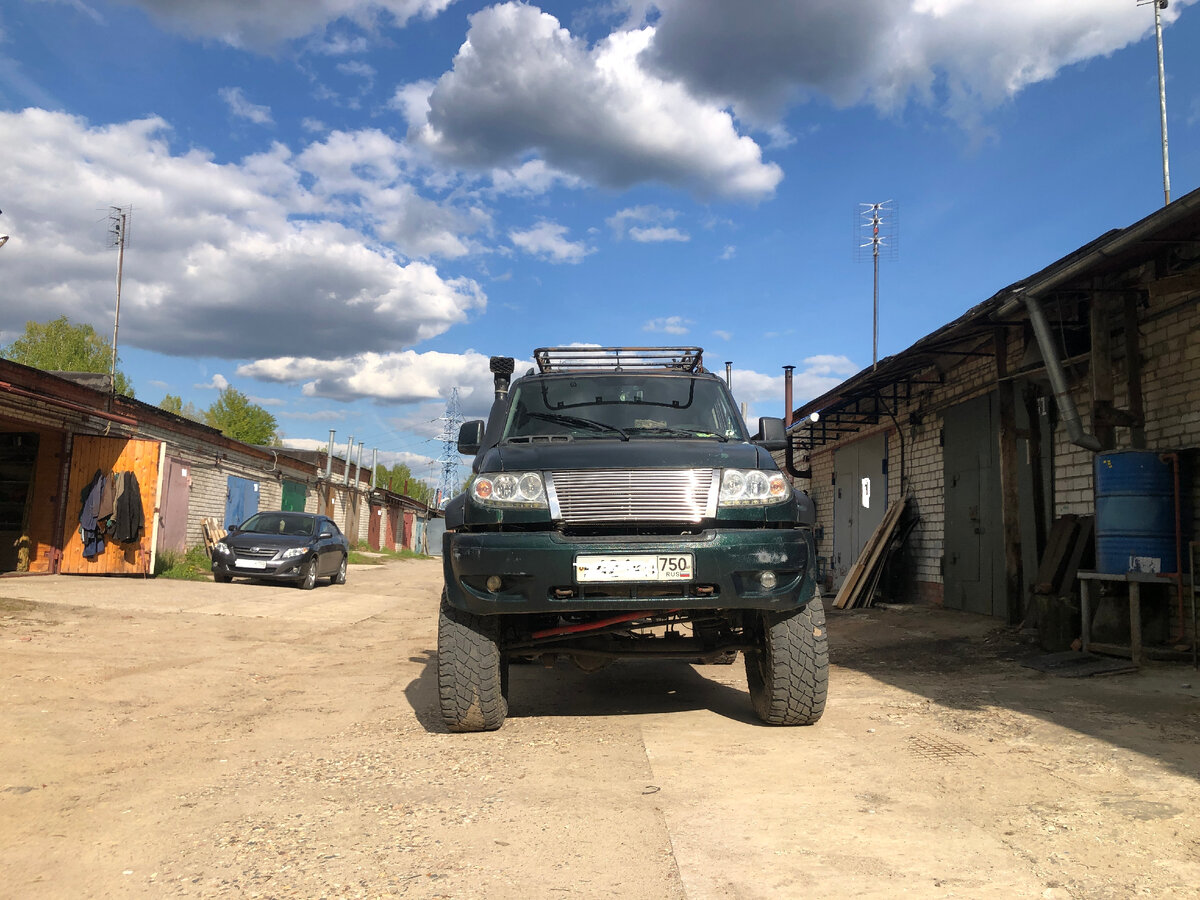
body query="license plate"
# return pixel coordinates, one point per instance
(636, 567)
(251, 563)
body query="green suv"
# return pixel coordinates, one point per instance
(618, 508)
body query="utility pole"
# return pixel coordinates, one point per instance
(118, 218)
(1159, 6)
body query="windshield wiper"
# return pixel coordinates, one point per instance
(577, 422)
(679, 432)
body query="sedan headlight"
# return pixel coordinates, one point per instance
(510, 490)
(753, 487)
(221, 547)
(291, 552)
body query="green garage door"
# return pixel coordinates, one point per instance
(294, 496)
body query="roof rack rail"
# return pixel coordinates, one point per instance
(618, 359)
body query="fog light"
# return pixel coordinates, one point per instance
(767, 580)
(494, 583)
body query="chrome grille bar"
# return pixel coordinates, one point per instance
(633, 495)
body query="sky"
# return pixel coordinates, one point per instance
(344, 207)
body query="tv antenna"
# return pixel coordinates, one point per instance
(1159, 6)
(451, 422)
(883, 220)
(119, 219)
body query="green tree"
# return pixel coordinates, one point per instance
(174, 404)
(59, 346)
(400, 479)
(236, 417)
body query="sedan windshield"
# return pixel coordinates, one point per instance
(623, 407)
(279, 523)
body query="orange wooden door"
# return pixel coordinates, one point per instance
(90, 454)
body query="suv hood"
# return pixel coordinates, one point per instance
(618, 454)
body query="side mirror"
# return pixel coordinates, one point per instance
(324, 534)
(233, 529)
(470, 437)
(772, 435)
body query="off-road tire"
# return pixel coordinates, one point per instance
(339, 577)
(472, 671)
(788, 675)
(222, 579)
(308, 575)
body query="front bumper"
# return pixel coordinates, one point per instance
(537, 571)
(288, 570)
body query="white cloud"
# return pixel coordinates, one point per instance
(956, 55)
(217, 383)
(657, 234)
(646, 224)
(406, 377)
(724, 335)
(530, 177)
(548, 241)
(764, 393)
(231, 261)
(669, 325)
(262, 24)
(243, 108)
(523, 84)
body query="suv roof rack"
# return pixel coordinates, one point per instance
(618, 359)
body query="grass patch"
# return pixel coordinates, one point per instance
(363, 555)
(193, 565)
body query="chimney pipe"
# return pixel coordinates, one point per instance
(729, 374)
(787, 396)
(374, 466)
(329, 456)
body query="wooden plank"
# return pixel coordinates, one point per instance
(880, 541)
(1058, 546)
(870, 553)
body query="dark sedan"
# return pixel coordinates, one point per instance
(283, 546)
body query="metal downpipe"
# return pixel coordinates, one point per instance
(1058, 379)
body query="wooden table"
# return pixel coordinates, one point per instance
(1134, 580)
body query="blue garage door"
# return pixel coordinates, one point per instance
(241, 500)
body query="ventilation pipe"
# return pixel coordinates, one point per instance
(729, 374)
(787, 396)
(374, 466)
(329, 456)
(349, 453)
(1058, 379)
(357, 463)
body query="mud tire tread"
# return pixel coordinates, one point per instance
(472, 671)
(789, 676)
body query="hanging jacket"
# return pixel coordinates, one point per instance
(90, 524)
(128, 518)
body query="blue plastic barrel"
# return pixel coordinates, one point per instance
(1135, 513)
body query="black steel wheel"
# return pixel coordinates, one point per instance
(472, 670)
(788, 675)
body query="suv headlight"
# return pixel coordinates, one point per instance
(753, 487)
(509, 490)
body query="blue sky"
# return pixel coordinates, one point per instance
(343, 207)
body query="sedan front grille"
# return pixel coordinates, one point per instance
(255, 552)
(633, 495)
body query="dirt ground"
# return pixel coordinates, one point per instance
(169, 739)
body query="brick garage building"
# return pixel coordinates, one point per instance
(55, 433)
(989, 428)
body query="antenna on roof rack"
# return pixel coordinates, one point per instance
(618, 359)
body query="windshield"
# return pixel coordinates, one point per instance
(623, 407)
(279, 523)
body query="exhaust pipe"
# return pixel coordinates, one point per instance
(787, 396)
(502, 369)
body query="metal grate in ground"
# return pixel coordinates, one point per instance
(936, 747)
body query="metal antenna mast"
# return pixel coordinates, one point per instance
(118, 228)
(452, 422)
(884, 221)
(1159, 6)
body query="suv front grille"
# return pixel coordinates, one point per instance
(633, 495)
